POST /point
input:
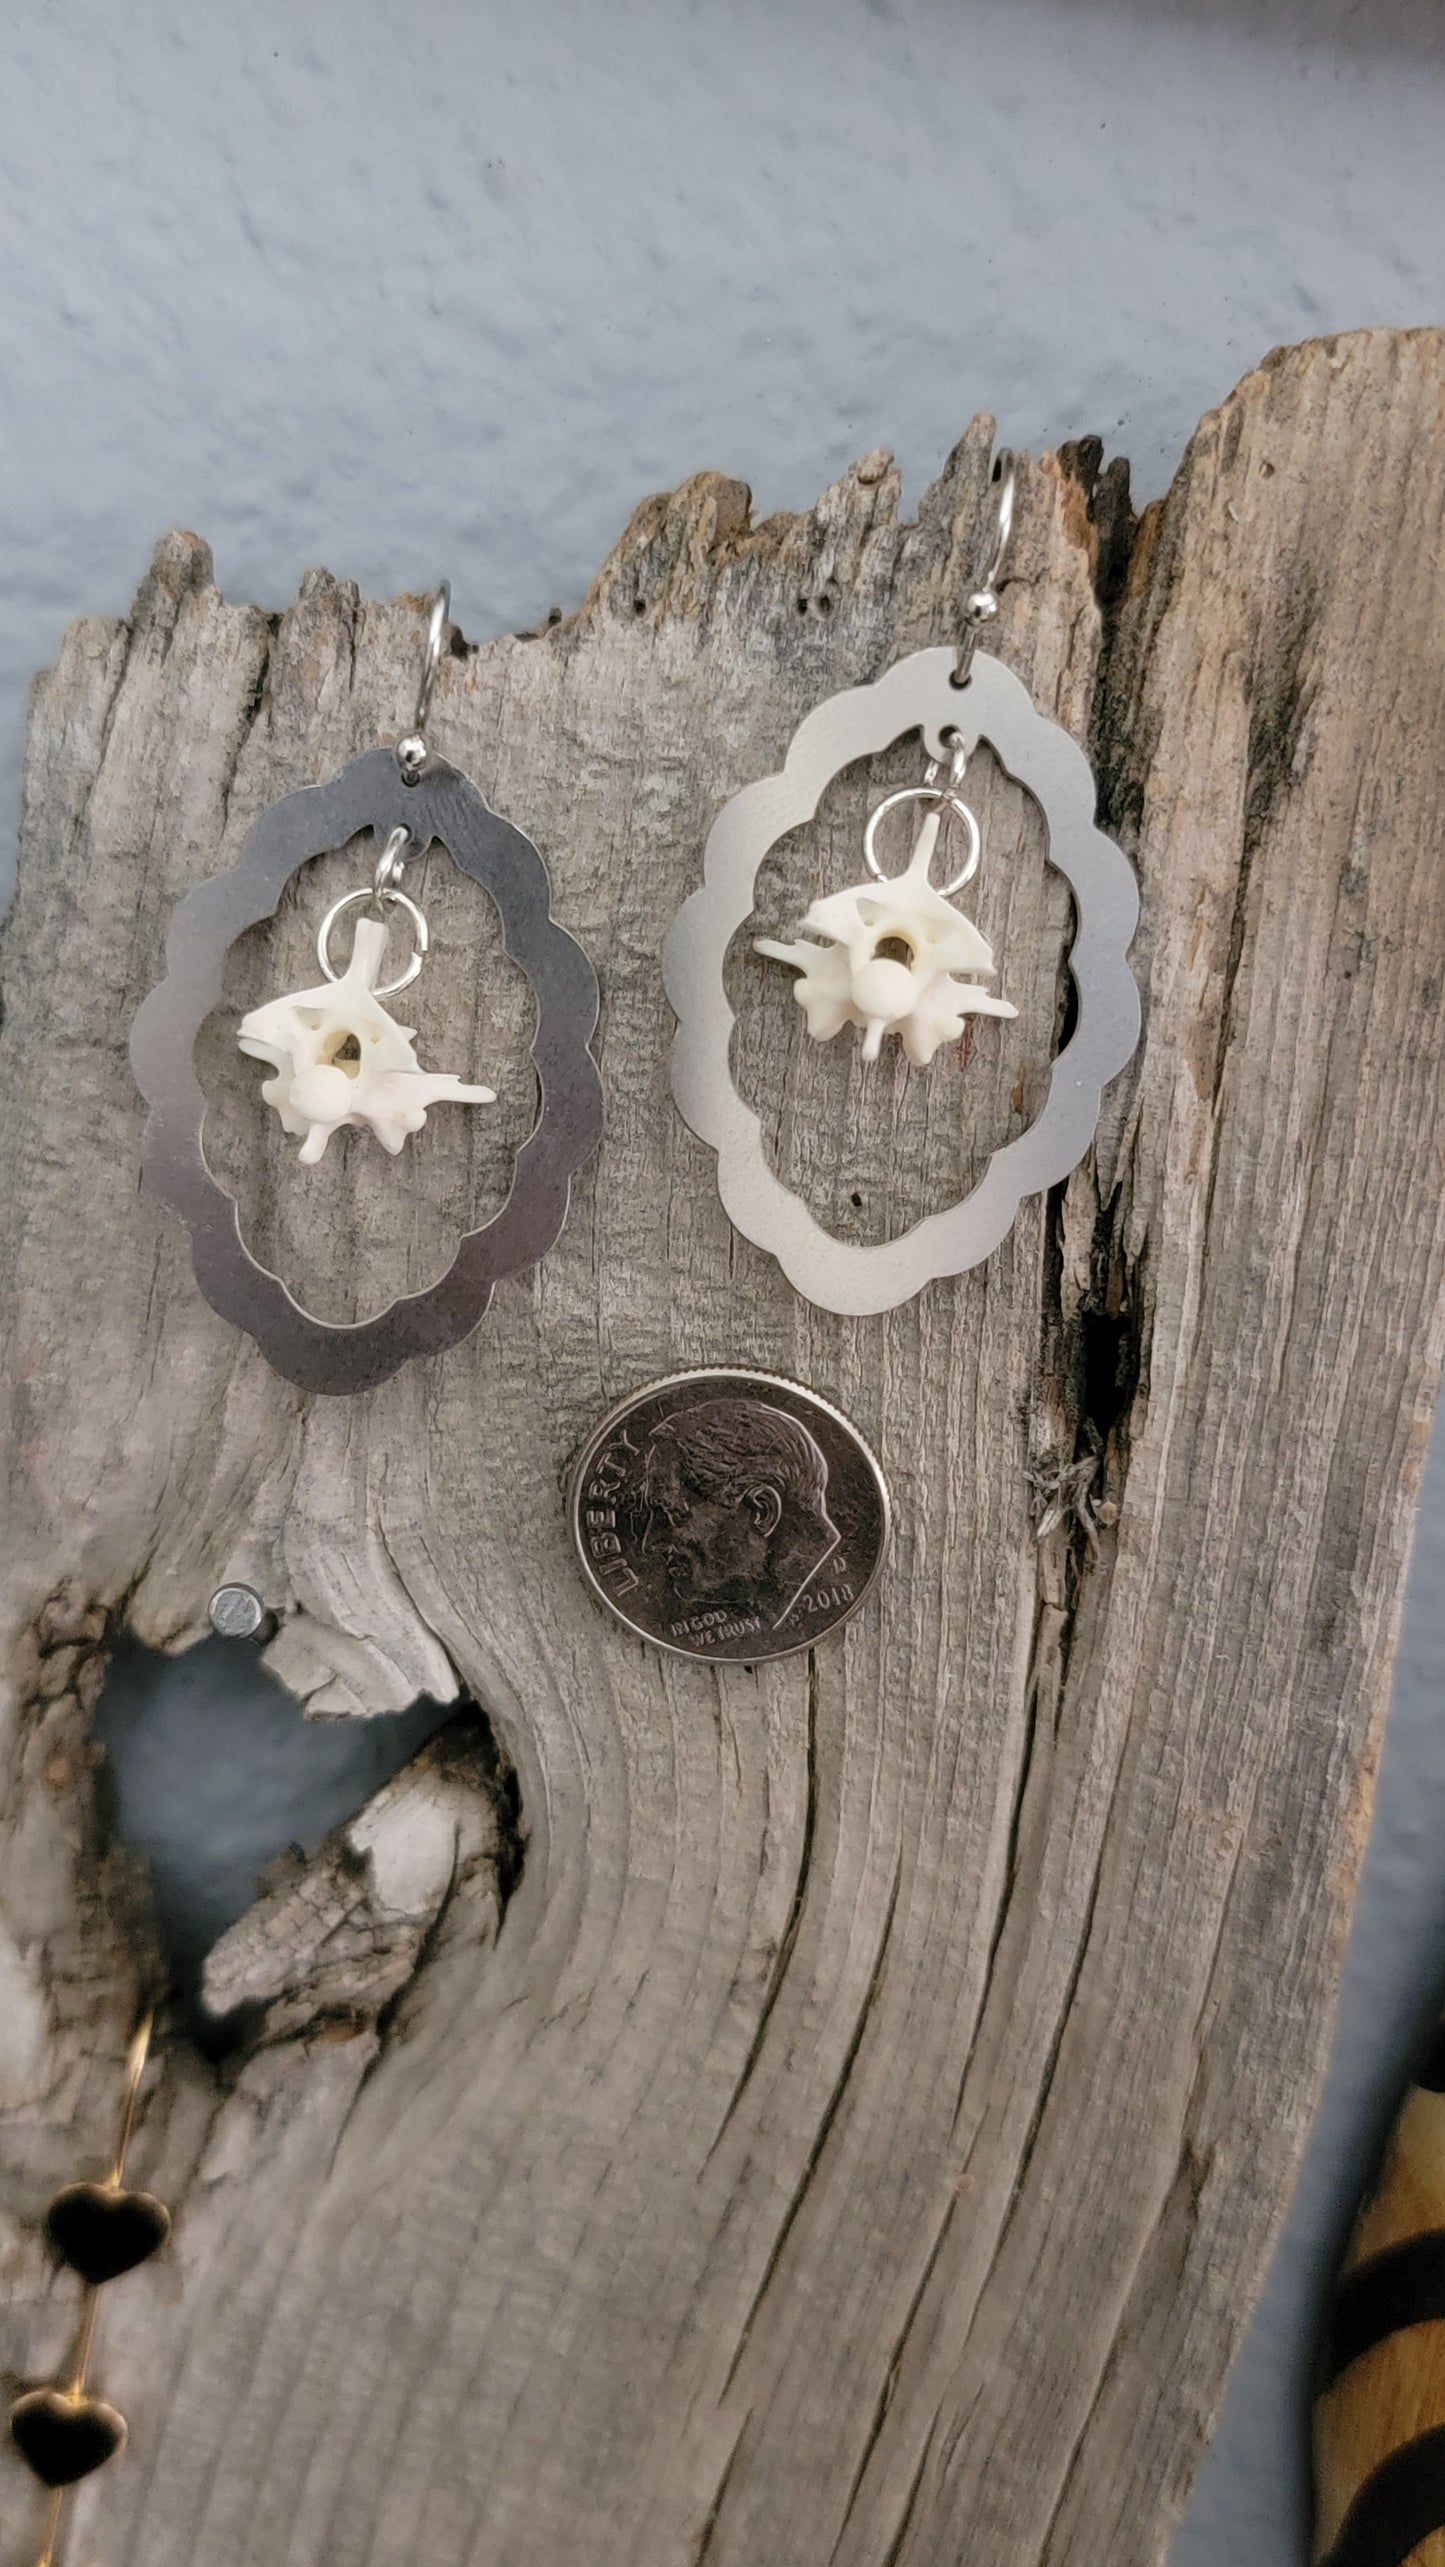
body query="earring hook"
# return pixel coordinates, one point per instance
(411, 752)
(981, 607)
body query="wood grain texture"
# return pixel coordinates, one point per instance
(855, 2137)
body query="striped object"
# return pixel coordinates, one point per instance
(1380, 2415)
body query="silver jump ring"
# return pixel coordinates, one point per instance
(926, 793)
(394, 900)
(390, 864)
(957, 764)
(981, 606)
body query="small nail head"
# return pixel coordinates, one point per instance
(237, 1613)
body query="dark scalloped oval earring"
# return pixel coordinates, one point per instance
(338, 1058)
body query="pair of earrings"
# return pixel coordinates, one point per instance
(889, 956)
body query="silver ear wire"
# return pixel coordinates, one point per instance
(981, 606)
(411, 752)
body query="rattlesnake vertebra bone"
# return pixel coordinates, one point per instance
(851, 982)
(339, 1058)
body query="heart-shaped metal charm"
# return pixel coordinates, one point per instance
(917, 694)
(101, 2231)
(63, 2435)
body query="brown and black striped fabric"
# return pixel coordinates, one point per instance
(1380, 2416)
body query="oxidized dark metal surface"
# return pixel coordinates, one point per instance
(729, 1516)
(371, 794)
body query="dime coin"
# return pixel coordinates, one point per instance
(729, 1516)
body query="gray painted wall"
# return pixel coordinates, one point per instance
(412, 286)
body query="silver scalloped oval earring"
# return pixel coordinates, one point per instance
(897, 958)
(336, 1057)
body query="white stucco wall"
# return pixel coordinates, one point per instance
(412, 286)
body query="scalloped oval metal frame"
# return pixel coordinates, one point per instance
(916, 693)
(368, 794)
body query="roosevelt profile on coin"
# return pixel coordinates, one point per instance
(727, 1515)
(736, 1500)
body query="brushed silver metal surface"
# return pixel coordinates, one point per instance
(730, 1516)
(368, 794)
(238, 1613)
(916, 693)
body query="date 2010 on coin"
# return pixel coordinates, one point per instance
(729, 1516)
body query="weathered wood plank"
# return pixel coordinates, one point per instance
(861, 2140)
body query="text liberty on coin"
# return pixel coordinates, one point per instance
(729, 1516)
